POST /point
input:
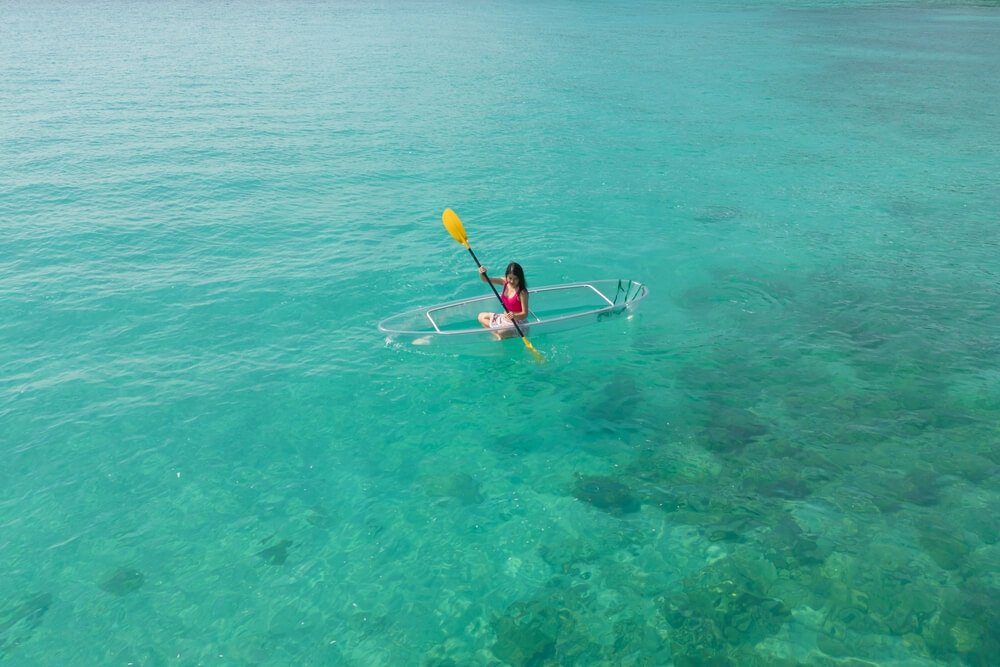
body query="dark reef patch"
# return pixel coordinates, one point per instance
(275, 554)
(18, 622)
(729, 430)
(606, 493)
(122, 581)
(458, 486)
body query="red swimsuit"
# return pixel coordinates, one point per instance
(511, 303)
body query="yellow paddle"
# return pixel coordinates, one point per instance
(457, 231)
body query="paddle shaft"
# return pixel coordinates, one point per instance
(494, 288)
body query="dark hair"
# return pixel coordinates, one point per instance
(516, 269)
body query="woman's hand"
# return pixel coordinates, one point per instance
(482, 270)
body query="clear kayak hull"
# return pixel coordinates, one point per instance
(553, 308)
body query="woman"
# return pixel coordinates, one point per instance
(514, 297)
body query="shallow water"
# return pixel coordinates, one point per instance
(788, 456)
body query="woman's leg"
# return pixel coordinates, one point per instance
(484, 319)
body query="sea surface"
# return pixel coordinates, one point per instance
(789, 455)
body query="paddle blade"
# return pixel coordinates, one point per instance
(454, 226)
(531, 348)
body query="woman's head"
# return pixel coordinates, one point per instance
(514, 270)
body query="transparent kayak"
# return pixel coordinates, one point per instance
(552, 308)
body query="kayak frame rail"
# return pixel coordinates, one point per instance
(611, 305)
(531, 313)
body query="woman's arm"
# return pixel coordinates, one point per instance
(523, 315)
(489, 279)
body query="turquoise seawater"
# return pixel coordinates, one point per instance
(789, 456)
